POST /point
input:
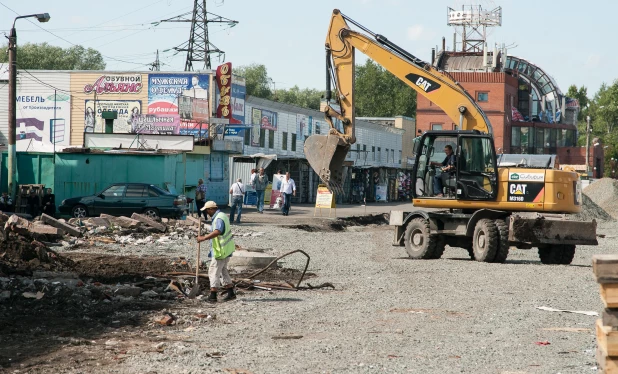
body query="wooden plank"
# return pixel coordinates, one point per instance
(607, 365)
(607, 339)
(610, 318)
(609, 294)
(152, 223)
(605, 268)
(60, 225)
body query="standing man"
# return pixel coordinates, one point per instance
(237, 190)
(288, 189)
(200, 197)
(259, 185)
(253, 175)
(222, 247)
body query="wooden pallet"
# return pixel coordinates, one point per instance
(605, 269)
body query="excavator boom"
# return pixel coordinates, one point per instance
(326, 153)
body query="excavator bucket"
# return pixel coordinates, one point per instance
(326, 154)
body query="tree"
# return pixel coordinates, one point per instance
(48, 57)
(306, 98)
(256, 80)
(380, 94)
(581, 95)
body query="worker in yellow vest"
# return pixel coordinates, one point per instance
(222, 248)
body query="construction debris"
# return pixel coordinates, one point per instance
(60, 225)
(152, 223)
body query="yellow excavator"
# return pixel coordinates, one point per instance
(484, 209)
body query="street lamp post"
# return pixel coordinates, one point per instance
(12, 164)
(587, 144)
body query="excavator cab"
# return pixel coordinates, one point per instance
(475, 176)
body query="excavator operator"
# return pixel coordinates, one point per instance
(448, 169)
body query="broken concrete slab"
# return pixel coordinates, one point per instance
(124, 222)
(150, 222)
(251, 259)
(62, 226)
(193, 220)
(45, 229)
(98, 221)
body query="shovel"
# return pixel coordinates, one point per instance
(196, 287)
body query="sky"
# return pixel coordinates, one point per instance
(567, 39)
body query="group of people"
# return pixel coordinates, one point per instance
(259, 182)
(34, 205)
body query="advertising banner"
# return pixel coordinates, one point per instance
(115, 84)
(268, 120)
(35, 115)
(235, 130)
(256, 117)
(301, 125)
(310, 127)
(224, 83)
(163, 124)
(165, 92)
(238, 103)
(127, 111)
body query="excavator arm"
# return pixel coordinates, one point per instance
(326, 154)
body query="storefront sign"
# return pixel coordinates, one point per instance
(168, 92)
(35, 115)
(381, 192)
(165, 124)
(324, 198)
(235, 130)
(238, 103)
(127, 110)
(115, 84)
(224, 83)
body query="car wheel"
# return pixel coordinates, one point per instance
(152, 213)
(79, 211)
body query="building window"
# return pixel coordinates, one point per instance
(393, 156)
(455, 127)
(271, 139)
(436, 126)
(516, 136)
(293, 142)
(373, 153)
(284, 141)
(247, 136)
(357, 151)
(387, 154)
(317, 128)
(399, 157)
(482, 97)
(379, 154)
(262, 138)
(365, 152)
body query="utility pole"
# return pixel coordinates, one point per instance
(198, 47)
(587, 145)
(12, 166)
(156, 65)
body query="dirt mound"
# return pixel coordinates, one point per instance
(590, 211)
(21, 255)
(604, 193)
(340, 224)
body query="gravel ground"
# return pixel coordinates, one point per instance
(387, 314)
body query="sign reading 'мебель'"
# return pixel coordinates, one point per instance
(106, 84)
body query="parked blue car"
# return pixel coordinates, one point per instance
(124, 199)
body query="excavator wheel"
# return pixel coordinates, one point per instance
(420, 244)
(440, 247)
(485, 241)
(503, 242)
(557, 254)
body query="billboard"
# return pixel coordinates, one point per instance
(224, 84)
(265, 118)
(238, 103)
(127, 110)
(37, 105)
(165, 92)
(115, 84)
(301, 125)
(162, 124)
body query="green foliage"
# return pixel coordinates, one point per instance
(256, 80)
(306, 98)
(378, 92)
(381, 94)
(48, 57)
(581, 95)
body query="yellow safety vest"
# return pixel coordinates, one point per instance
(223, 245)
